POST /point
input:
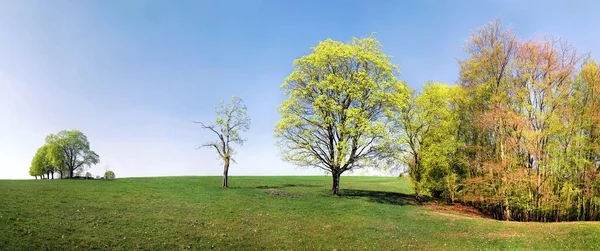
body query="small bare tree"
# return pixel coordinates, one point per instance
(231, 119)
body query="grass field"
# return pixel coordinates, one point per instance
(270, 213)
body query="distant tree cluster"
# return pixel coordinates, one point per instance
(65, 153)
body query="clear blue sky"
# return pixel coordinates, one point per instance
(133, 74)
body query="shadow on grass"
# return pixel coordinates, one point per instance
(286, 185)
(391, 198)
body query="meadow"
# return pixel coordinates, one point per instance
(257, 213)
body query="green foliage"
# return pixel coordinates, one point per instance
(519, 138)
(70, 151)
(37, 165)
(439, 139)
(231, 120)
(174, 213)
(429, 130)
(109, 175)
(338, 96)
(42, 162)
(527, 138)
(64, 153)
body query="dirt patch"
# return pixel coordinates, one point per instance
(280, 193)
(457, 210)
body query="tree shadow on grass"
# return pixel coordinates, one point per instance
(299, 185)
(382, 197)
(268, 187)
(286, 185)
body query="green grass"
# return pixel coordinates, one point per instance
(194, 212)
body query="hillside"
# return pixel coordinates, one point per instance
(374, 213)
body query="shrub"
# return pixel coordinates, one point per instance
(109, 175)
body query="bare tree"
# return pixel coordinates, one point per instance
(231, 119)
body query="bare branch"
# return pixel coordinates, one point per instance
(210, 127)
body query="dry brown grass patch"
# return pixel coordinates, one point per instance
(276, 192)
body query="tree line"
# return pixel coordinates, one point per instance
(523, 124)
(518, 136)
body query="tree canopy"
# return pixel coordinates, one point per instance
(335, 115)
(65, 152)
(42, 163)
(428, 128)
(109, 175)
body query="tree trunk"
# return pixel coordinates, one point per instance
(52, 175)
(71, 173)
(225, 173)
(506, 209)
(335, 189)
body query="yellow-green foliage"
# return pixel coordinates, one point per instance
(109, 175)
(439, 140)
(65, 153)
(334, 117)
(42, 162)
(429, 128)
(338, 92)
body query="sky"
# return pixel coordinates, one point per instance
(133, 75)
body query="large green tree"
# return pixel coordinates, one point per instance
(334, 117)
(70, 150)
(231, 120)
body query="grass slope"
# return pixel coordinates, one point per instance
(256, 213)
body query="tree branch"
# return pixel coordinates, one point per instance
(210, 127)
(212, 145)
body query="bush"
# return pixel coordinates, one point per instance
(109, 175)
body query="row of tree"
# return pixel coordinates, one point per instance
(518, 138)
(64, 153)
